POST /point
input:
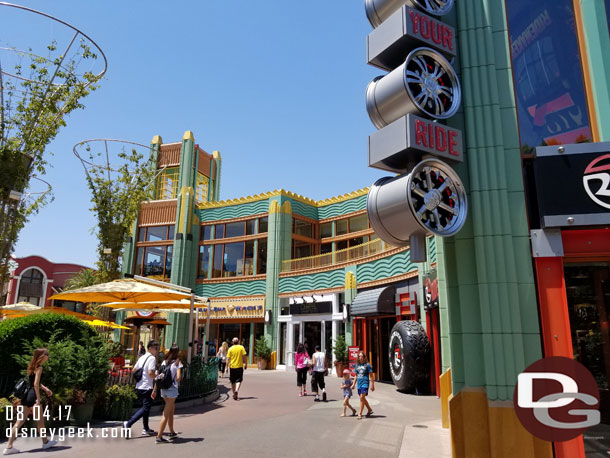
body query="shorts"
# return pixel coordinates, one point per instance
(347, 393)
(317, 380)
(363, 390)
(236, 375)
(171, 392)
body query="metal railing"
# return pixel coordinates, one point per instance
(336, 257)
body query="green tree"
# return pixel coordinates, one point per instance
(82, 279)
(34, 104)
(116, 196)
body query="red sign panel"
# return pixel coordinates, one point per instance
(353, 357)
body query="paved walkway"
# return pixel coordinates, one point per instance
(271, 420)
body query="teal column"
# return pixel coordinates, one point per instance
(184, 259)
(215, 185)
(351, 289)
(597, 43)
(487, 270)
(279, 240)
(252, 343)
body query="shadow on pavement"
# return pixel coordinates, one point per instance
(246, 398)
(57, 448)
(184, 440)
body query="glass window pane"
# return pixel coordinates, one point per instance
(357, 241)
(326, 229)
(233, 261)
(141, 234)
(326, 248)
(341, 227)
(358, 223)
(262, 224)
(138, 267)
(341, 245)
(168, 263)
(261, 259)
(235, 229)
(250, 226)
(156, 233)
(303, 228)
(153, 260)
(206, 232)
(171, 234)
(549, 89)
(219, 231)
(204, 261)
(217, 267)
(249, 258)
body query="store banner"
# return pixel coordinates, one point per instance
(430, 281)
(353, 357)
(236, 308)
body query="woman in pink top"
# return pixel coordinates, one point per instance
(301, 364)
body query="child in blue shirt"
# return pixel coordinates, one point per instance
(346, 386)
(364, 372)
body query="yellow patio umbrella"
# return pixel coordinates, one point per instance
(19, 307)
(108, 324)
(26, 309)
(153, 306)
(127, 290)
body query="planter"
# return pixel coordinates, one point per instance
(340, 367)
(262, 364)
(83, 413)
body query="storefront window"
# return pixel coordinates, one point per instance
(549, 88)
(168, 262)
(206, 232)
(153, 260)
(141, 234)
(249, 258)
(341, 227)
(261, 260)
(341, 245)
(235, 229)
(204, 261)
(301, 249)
(217, 267)
(263, 224)
(250, 229)
(326, 230)
(358, 223)
(139, 255)
(303, 228)
(233, 264)
(219, 232)
(156, 233)
(326, 248)
(171, 232)
(358, 241)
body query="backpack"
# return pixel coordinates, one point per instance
(139, 372)
(166, 380)
(21, 388)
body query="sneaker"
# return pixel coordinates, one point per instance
(49, 444)
(317, 398)
(125, 428)
(305, 393)
(172, 436)
(161, 440)
(148, 432)
(11, 451)
(324, 396)
(300, 395)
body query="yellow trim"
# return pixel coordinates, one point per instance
(274, 206)
(287, 208)
(446, 390)
(188, 135)
(185, 193)
(586, 74)
(216, 154)
(282, 192)
(157, 140)
(350, 280)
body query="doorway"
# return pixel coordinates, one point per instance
(588, 297)
(312, 335)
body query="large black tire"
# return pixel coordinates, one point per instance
(409, 350)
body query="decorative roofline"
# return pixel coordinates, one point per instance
(283, 192)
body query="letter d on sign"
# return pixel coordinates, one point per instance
(526, 389)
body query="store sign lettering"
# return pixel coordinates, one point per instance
(431, 31)
(531, 32)
(434, 138)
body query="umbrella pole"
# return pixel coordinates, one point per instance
(197, 327)
(190, 343)
(207, 329)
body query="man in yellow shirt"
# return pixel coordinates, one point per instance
(237, 359)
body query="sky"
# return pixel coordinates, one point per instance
(277, 86)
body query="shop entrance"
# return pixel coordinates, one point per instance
(312, 335)
(378, 340)
(588, 295)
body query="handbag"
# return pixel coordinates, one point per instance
(307, 361)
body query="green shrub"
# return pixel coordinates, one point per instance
(13, 334)
(3, 422)
(340, 349)
(262, 350)
(119, 402)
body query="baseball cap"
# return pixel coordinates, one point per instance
(346, 372)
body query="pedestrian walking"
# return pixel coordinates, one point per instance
(169, 379)
(222, 358)
(346, 386)
(238, 363)
(144, 372)
(318, 361)
(364, 372)
(31, 400)
(142, 350)
(302, 364)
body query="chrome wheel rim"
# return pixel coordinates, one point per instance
(432, 83)
(437, 197)
(436, 7)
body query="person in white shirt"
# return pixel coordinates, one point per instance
(319, 369)
(144, 387)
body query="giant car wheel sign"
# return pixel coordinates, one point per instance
(409, 352)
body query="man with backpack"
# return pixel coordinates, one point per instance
(144, 373)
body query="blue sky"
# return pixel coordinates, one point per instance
(277, 86)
